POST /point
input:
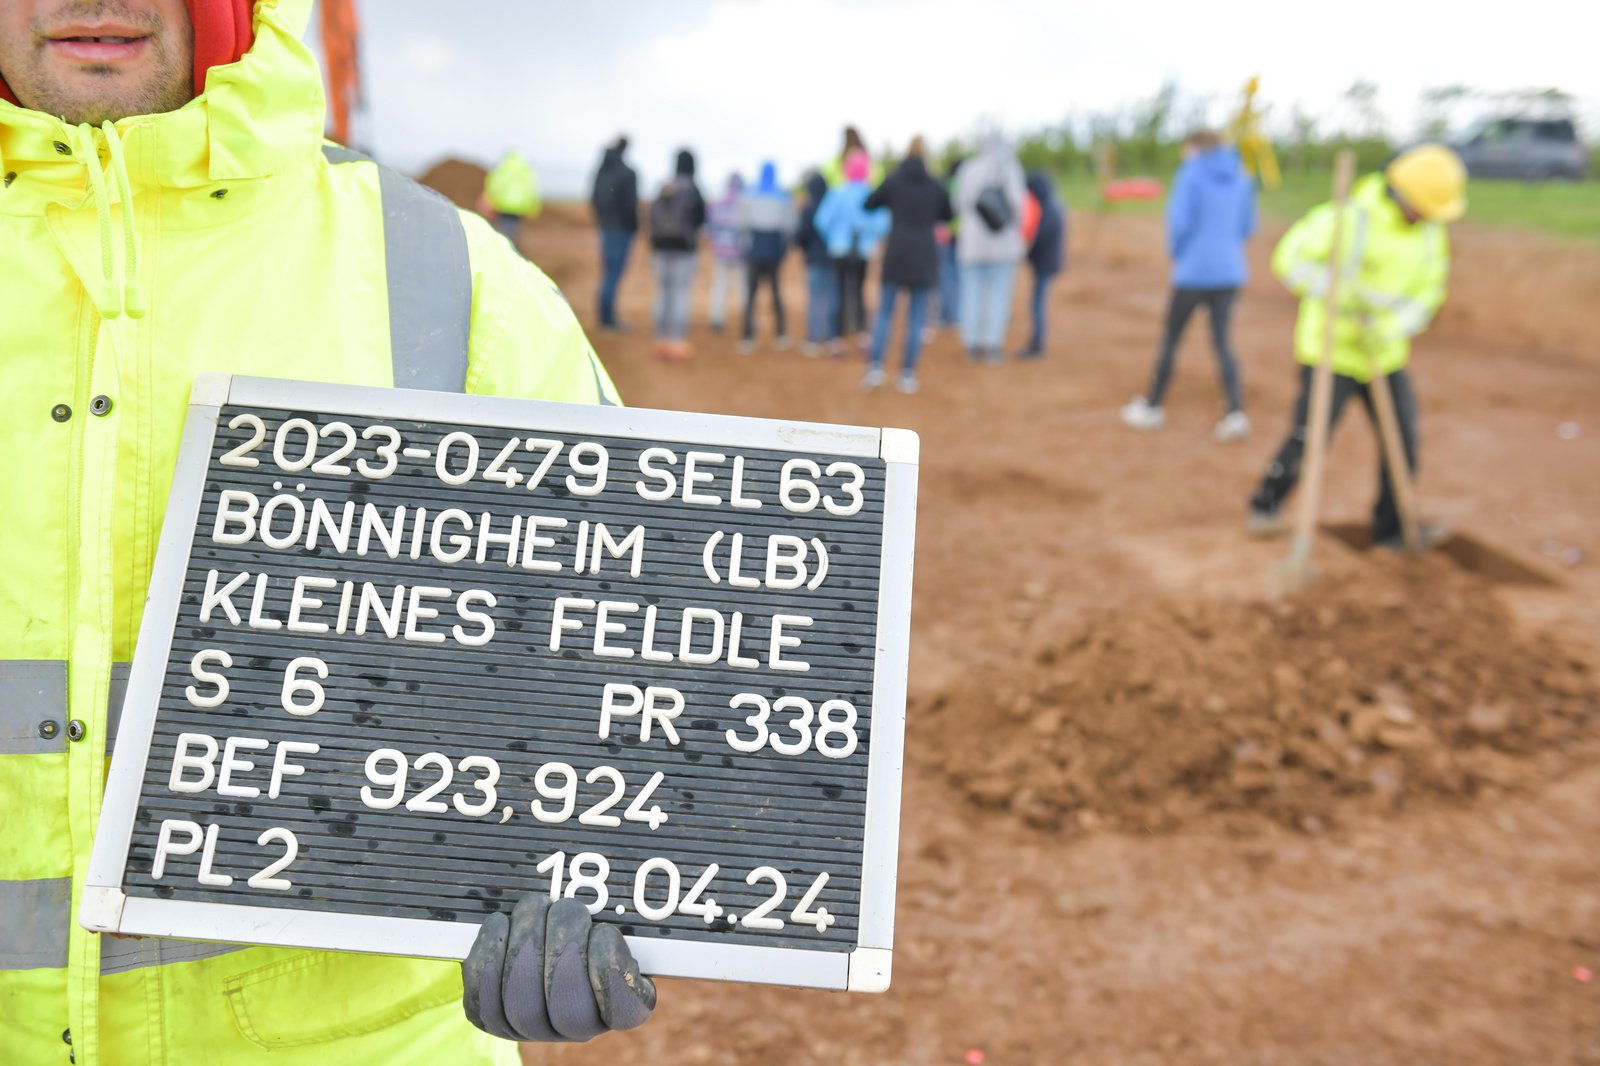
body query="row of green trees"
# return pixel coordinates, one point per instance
(1147, 137)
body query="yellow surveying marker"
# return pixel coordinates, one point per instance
(1254, 149)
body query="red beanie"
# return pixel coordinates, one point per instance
(222, 34)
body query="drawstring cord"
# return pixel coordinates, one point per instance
(107, 300)
(132, 293)
(111, 299)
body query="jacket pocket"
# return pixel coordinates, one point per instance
(320, 996)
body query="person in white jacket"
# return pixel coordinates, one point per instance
(989, 193)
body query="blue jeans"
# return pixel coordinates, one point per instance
(1041, 324)
(508, 226)
(986, 303)
(614, 247)
(822, 291)
(949, 285)
(675, 273)
(916, 316)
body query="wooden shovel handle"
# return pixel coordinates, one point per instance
(1305, 526)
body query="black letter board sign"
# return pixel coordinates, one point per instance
(408, 656)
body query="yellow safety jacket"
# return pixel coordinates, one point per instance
(1391, 284)
(511, 187)
(223, 236)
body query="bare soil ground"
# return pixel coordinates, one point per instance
(1151, 815)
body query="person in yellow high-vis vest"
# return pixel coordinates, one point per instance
(1395, 259)
(511, 195)
(183, 216)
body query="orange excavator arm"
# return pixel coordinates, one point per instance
(340, 31)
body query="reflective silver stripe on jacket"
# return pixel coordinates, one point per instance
(119, 690)
(33, 692)
(1311, 277)
(121, 954)
(1358, 245)
(429, 279)
(38, 917)
(1409, 315)
(36, 920)
(599, 383)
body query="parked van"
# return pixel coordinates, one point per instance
(1525, 148)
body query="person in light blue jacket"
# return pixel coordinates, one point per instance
(851, 233)
(1211, 214)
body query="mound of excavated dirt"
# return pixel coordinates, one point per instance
(460, 182)
(1390, 681)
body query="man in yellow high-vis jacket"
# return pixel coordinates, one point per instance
(1396, 259)
(185, 216)
(511, 195)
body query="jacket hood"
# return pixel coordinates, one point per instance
(916, 166)
(816, 186)
(1042, 186)
(1372, 192)
(1219, 164)
(768, 182)
(261, 115)
(995, 146)
(612, 157)
(685, 164)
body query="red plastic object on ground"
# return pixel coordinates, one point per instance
(1132, 189)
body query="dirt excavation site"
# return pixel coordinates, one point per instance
(1152, 814)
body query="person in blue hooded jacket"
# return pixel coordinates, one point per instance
(766, 227)
(1211, 214)
(852, 233)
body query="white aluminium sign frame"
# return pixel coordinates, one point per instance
(107, 908)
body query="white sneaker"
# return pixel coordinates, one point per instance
(782, 343)
(747, 347)
(1231, 427)
(1138, 414)
(908, 384)
(873, 379)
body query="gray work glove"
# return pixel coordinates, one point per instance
(550, 974)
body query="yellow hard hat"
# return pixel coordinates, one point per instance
(1431, 180)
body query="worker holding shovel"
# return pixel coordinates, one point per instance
(1393, 262)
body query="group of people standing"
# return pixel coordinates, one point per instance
(955, 240)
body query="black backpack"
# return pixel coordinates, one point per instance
(672, 215)
(994, 207)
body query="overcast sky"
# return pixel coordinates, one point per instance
(743, 80)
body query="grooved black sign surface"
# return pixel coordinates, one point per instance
(385, 662)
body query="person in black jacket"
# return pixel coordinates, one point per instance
(821, 284)
(917, 203)
(676, 218)
(616, 213)
(1047, 255)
